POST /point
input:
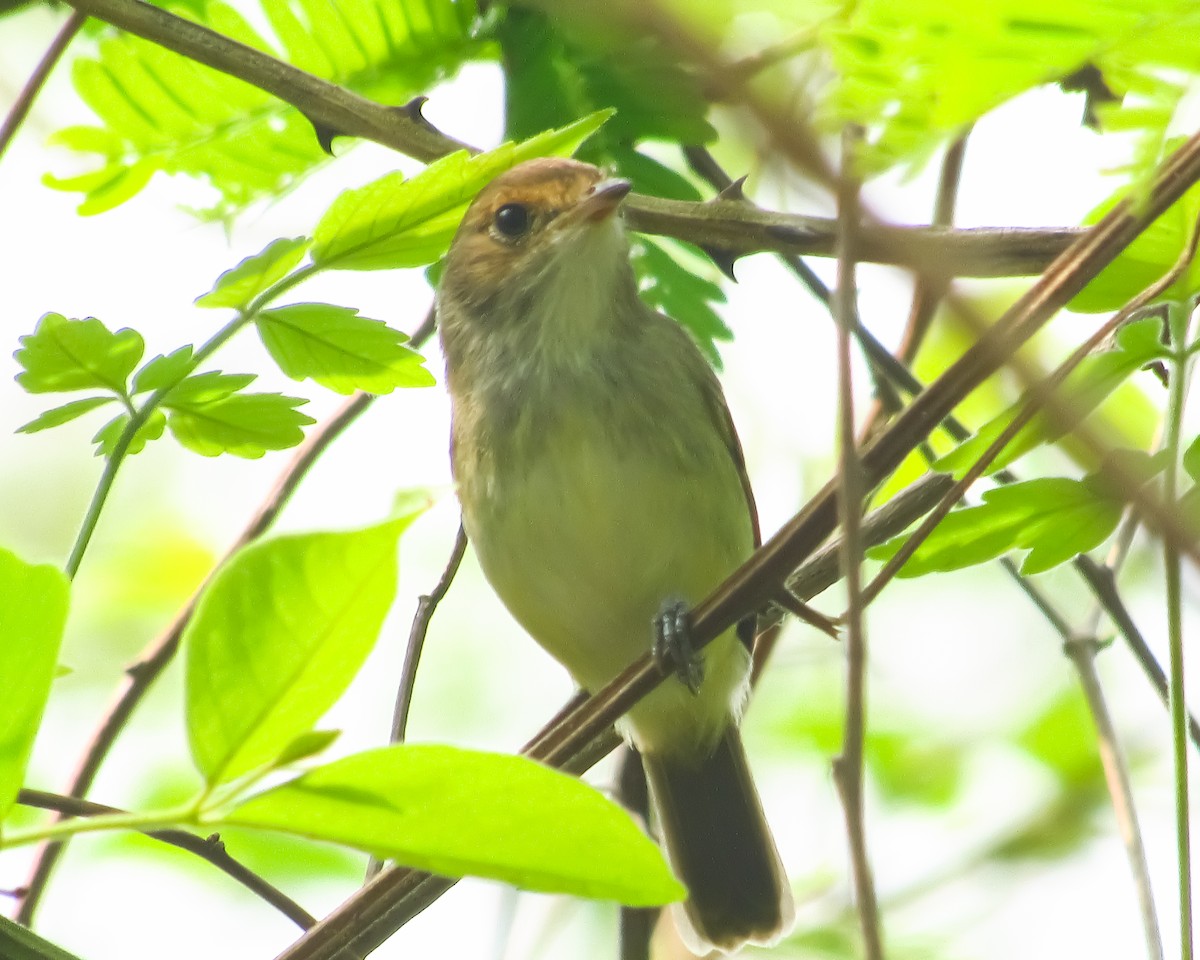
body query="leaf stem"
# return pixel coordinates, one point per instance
(61, 829)
(1178, 318)
(139, 416)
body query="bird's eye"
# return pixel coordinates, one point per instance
(513, 220)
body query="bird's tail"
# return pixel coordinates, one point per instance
(719, 844)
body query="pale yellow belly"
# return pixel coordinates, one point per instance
(586, 543)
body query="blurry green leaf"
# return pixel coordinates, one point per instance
(107, 436)
(905, 768)
(456, 812)
(33, 613)
(339, 349)
(64, 354)
(395, 222)
(243, 424)
(1191, 459)
(208, 386)
(915, 74)
(278, 634)
(1151, 254)
(163, 370)
(1137, 344)
(161, 111)
(57, 416)
(306, 745)
(237, 287)
(18, 942)
(683, 295)
(1054, 518)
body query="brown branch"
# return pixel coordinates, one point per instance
(33, 86)
(333, 110)
(848, 765)
(208, 848)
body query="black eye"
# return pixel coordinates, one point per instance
(513, 220)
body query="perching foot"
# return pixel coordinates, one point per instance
(673, 648)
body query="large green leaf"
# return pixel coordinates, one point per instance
(339, 349)
(64, 354)
(456, 812)
(277, 637)
(395, 222)
(163, 112)
(33, 613)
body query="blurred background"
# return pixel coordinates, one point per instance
(988, 822)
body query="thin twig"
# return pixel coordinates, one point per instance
(848, 766)
(426, 607)
(33, 86)
(210, 848)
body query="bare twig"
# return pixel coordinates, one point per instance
(206, 848)
(426, 607)
(848, 766)
(33, 86)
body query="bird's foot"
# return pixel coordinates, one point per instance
(673, 648)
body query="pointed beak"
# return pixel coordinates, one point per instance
(603, 200)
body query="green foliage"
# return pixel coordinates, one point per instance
(916, 73)
(554, 75)
(238, 287)
(394, 222)
(18, 942)
(456, 812)
(277, 636)
(1054, 518)
(62, 355)
(160, 111)
(339, 349)
(1152, 253)
(33, 613)
(206, 412)
(1136, 345)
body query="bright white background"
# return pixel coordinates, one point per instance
(966, 655)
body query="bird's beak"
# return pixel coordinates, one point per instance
(602, 201)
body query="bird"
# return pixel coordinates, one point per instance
(604, 489)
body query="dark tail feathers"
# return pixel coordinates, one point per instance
(719, 844)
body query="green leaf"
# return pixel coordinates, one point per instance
(106, 437)
(1054, 518)
(57, 416)
(18, 942)
(339, 349)
(1137, 344)
(306, 745)
(163, 370)
(33, 614)
(237, 287)
(244, 424)
(64, 354)
(277, 636)
(1151, 254)
(456, 812)
(682, 294)
(160, 111)
(1191, 459)
(395, 222)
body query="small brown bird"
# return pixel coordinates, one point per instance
(604, 489)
